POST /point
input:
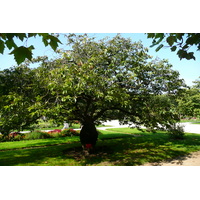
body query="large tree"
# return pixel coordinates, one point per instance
(106, 79)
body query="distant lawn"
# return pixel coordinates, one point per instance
(74, 126)
(117, 146)
(37, 143)
(193, 121)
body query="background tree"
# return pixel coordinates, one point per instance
(197, 84)
(19, 100)
(22, 52)
(189, 101)
(106, 79)
(180, 42)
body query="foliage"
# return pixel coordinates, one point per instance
(109, 79)
(197, 83)
(177, 41)
(13, 136)
(36, 135)
(93, 82)
(189, 102)
(21, 52)
(17, 96)
(46, 124)
(19, 106)
(176, 132)
(16, 136)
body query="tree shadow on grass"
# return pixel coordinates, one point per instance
(129, 151)
(35, 156)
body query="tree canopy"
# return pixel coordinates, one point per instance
(98, 80)
(106, 79)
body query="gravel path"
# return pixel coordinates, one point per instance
(188, 127)
(191, 128)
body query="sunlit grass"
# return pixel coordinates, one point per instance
(37, 142)
(121, 147)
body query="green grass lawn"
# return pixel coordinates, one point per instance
(117, 146)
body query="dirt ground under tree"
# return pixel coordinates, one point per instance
(192, 159)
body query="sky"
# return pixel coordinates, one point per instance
(189, 69)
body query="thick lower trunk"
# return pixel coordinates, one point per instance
(88, 135)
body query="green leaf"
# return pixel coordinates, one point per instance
(45, 41)
(10, 35)
(191, 40)
(150, 35)
(198, 47)
(45, 38)
(159, 47)
(44, 35)
(159, 35)
(179, 35)
(185, 46)
(21, 53)
(31, 47)
(190, 56)
(3, 36)
(181, 53)
(10, 44)
(2, 46)
(32, 34)
(153, 43)
(173, 48)
(54, 42)
(21, 36)
(171, 40)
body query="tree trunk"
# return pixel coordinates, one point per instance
(88, 135)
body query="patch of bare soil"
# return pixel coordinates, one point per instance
(192, 159)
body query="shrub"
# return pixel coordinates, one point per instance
(19, 137)
(4, 138)
(70, 132)
(176, 132)
(46, 124)
(55, 133)
(14, 136)
(63, 133)
(37, 135)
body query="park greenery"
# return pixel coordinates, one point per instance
(95, 81)
(122, 147)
